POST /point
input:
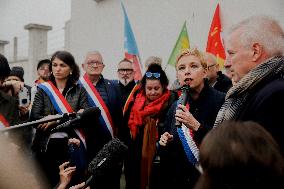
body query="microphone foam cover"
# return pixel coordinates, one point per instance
(113, 152)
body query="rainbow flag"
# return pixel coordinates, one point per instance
(130, 47)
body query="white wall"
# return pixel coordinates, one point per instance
(155, 23)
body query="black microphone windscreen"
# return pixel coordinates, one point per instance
(108, 158)
(182, 100)
(81, 120)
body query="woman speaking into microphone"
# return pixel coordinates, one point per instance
(179, 144)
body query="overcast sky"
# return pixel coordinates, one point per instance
(15, 14)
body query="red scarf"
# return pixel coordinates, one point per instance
(140, 110)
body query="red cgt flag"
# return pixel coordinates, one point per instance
(214, 41)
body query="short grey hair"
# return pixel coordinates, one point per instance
(261, 29)
(94, 53)
(153, 60)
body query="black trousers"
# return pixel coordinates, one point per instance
(56, 154)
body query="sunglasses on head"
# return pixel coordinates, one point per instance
(155, 75)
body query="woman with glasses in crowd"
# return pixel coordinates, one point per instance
(179, 144)
(145, 115)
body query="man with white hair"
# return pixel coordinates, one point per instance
(104, 94)
(255, 49)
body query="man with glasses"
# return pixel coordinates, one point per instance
(216, 78)
(126, 80)
(103, 94)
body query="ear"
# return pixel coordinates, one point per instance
(217, 66)
(257, 50)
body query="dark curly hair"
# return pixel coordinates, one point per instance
(155, 68)
(68, 59)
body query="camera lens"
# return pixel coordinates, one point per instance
(24, 101)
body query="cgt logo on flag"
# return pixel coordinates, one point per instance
(130, 47)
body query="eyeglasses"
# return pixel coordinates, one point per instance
(128, 71)
(208, 67)
(44, 67)
(94, 63)
(155, 75)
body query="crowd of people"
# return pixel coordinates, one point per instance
(227, 132)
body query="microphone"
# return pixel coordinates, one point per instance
(86, 116)
(182, 100)
(107, 159)
(49, 118)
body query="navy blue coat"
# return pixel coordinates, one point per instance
(265, 106)
(180, 173)
(98, 134)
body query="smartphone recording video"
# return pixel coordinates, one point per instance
(24, 99)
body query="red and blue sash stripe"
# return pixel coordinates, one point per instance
(3, 122)
(190, 148)
(58, 101)
(60, 104)
(96, 101)
(186, 137)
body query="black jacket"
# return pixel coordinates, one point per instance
(42, 106)
(180, 173)
(223, 83)
(9, 108)
(98, 134)
(265, 107)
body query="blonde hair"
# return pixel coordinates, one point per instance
(193, 52)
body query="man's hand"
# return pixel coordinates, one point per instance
(17, 85)
(24, 109)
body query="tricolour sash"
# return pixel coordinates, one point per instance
(190, 148)
(186, 137)
(96, 101)
(60, 104)
(3, 122)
